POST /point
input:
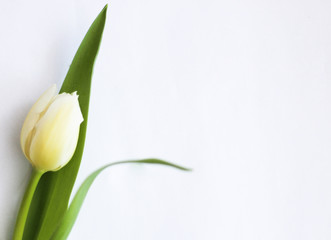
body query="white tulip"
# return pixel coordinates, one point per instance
(50, 131)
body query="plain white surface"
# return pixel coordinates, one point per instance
(237, 90)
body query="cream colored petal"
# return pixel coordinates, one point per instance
(33, 116)
(56, 133)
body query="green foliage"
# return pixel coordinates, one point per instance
(70, 216)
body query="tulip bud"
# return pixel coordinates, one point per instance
(50, 131)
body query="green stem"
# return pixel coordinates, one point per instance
(25, 205)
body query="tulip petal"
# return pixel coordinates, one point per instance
(33, 116)
(55, 139)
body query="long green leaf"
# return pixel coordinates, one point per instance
(51, 199)
(70, 216)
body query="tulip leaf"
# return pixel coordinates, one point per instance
(70, 216)
(51, 198)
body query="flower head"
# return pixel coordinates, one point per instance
(50, 131)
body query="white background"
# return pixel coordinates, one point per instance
(237, 90)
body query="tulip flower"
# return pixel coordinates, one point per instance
(48, 139)
(50, 132)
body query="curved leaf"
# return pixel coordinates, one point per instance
(70, 217)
